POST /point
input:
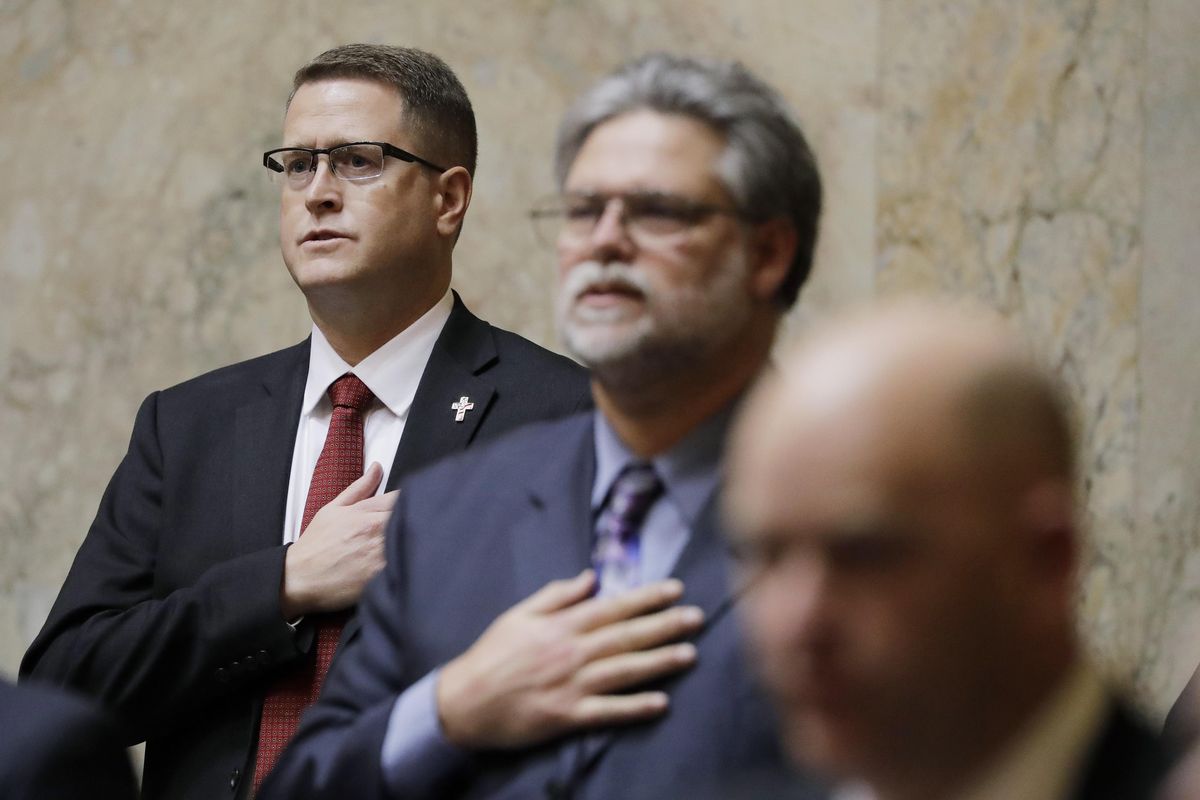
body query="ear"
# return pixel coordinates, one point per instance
(772, 247)
(454, 195)
(1047, 514)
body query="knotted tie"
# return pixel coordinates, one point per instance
(339, 465)
(617, 554)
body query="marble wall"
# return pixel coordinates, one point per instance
(1038, 154)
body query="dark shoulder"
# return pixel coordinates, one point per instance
(511, 456)
(513, 345)
(57, 745)
(1128, 762)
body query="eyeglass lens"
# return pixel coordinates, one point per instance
(351, 162)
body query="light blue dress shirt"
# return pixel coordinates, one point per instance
(415, 754)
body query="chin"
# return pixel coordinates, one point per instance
(604, 342)
(821, 745)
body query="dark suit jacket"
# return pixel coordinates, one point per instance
(470, 538)
(1128, 762)
(55, 746)
(170, 614)
(1182, 726)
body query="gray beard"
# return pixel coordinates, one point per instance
(675, 334)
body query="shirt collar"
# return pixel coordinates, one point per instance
(392, 372)
(689, 471)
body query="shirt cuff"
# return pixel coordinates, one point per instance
(416, 755)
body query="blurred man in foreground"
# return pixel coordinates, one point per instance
(903, 496)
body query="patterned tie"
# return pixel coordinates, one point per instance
(339, 465)
(617, 554)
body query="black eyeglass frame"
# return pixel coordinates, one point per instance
(388, 150)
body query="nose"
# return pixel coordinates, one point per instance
(610, 240)
(324, 192)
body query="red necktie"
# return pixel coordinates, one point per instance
(339, 465)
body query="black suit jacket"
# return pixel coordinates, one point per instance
(170, 614)
(57, 747)
(1128, 761)
(472, 536)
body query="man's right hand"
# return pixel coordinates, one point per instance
(560, 661)
(340, 550)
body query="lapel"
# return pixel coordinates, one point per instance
(553, 539)
(703, 566)
(463, 352)
(265, 432)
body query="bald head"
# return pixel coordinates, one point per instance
(901, 492)
(926, 381)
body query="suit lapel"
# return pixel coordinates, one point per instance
(463, 352)
(265, 431)
(703, 567)
(552, 540)
(705, 563)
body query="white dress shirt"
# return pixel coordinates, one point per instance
(392, 373)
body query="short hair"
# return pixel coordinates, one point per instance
(436, 105)
(767, 165)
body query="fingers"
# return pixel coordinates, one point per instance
(380, 502)
(603, 711)
(362, 488)
(642, 633)
(600, 611)
(560, 594)
(623, 671)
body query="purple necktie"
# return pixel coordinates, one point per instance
(616, 556)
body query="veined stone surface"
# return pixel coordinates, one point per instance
(1038, 155)
(140, 244)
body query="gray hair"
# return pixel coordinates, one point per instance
(767, 165)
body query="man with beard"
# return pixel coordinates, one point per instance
(684, 230)
(902, 493)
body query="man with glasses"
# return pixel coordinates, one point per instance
(214, 586)
(554, 616)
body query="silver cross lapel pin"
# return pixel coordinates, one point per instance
(461, 408)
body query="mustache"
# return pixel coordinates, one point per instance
(590, 275)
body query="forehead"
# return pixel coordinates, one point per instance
(343, 110)
(823, 474)
(646, 150)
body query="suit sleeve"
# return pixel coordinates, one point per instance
(147, 653)
(338, 749)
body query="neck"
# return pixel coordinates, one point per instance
(358, 323)
(654, 414)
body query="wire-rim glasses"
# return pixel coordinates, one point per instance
(353, 161)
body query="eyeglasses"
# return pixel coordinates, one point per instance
(356, 161)
(650, 218)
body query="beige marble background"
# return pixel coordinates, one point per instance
(1037, 154)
